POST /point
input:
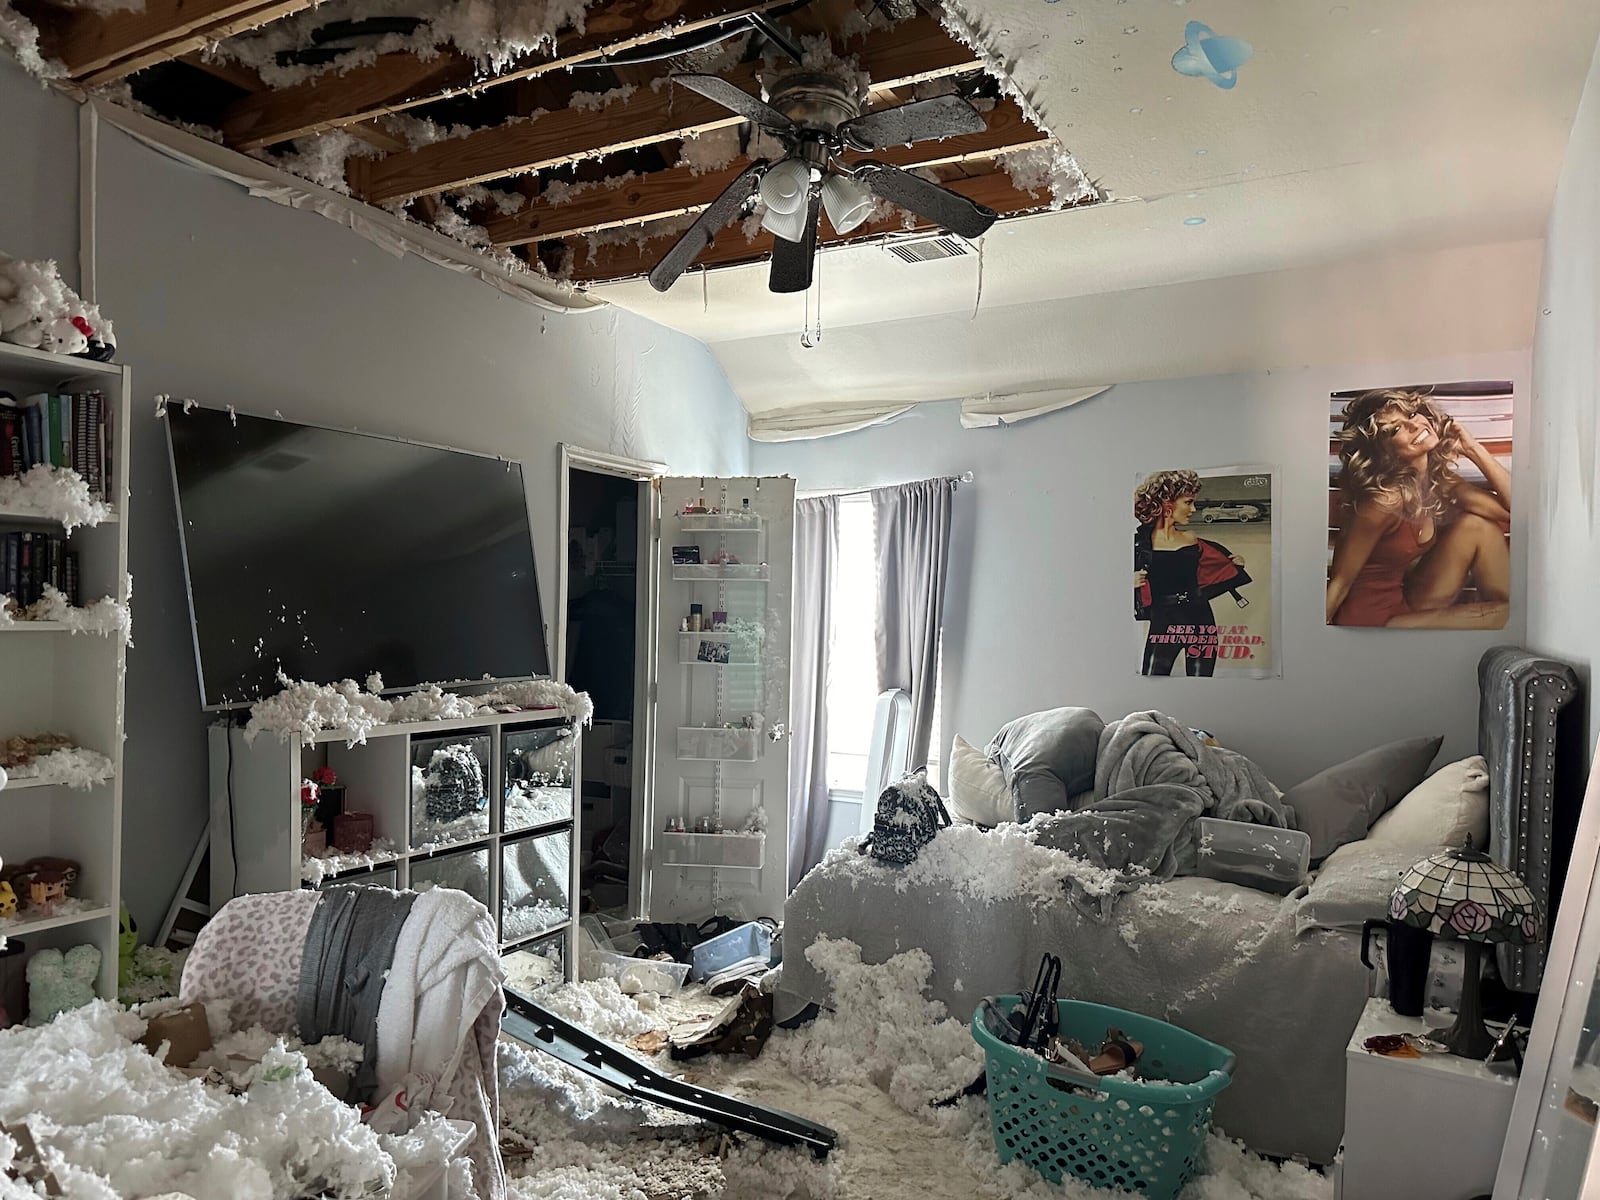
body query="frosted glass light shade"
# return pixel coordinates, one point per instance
(784, 186)
(789, 226)
(847, 202)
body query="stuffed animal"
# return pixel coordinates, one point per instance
(58, 982)
(38, 310)
(8, 901)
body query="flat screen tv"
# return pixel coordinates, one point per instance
(333, 555)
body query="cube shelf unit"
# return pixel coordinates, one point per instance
(55, 681)
(518, 855)
(725, 665)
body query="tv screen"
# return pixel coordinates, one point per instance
(333, 555)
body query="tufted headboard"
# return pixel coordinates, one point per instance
(1535, 782)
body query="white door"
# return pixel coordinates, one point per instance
(725, 558)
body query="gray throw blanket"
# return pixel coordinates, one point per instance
(348, 950)
(1152, 779)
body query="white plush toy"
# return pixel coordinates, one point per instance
(38, 310)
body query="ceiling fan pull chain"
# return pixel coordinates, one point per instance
(811, 335)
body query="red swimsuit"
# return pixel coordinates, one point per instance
(1379, 591)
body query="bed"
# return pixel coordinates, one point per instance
(1276, 979)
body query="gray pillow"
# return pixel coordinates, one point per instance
(1354, 885)
(1048, 756)
(1340, 804)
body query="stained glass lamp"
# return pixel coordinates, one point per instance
(1463, 894)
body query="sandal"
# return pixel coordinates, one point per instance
(1117, 1053)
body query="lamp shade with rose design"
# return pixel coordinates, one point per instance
(1463, 894)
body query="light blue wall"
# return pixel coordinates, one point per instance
(1040, 569)
(234, 300)
(1564, 564)
(39, 184)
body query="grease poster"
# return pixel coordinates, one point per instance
(1204, 581)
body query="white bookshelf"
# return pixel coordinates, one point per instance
(519, 856)
(54, 681)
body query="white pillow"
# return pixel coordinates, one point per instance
(978, 790)
(1442, 810)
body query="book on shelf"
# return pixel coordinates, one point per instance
(71, 431)
(29, 560)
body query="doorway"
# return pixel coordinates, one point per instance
(605, 597)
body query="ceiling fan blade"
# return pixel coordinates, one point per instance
(721, 212)
(793, 262)
(949, 210)
(736, 100)
(920, 121)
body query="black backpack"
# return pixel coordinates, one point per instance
(909, 814)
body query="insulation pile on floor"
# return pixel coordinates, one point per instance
(111, 1120)
(869, 1070)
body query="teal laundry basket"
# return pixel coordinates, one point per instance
(1142, 1136)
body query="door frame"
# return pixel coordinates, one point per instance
(646, 600)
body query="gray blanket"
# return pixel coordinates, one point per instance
(1220, 960)
(348, 950)
(1152, 779)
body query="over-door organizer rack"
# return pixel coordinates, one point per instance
(736, 648)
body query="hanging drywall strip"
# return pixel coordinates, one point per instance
(392, 233)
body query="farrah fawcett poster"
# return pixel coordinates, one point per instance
(1203, 579)
(1419, 506)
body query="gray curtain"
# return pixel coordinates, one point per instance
(816, 555)
(912, 522)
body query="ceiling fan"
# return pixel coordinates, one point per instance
(817, 116)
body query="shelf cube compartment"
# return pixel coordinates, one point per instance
(537, 774)
(450, 781)
(464, 870)
(535, 884)
(538, 965)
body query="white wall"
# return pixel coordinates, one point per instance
(1564, 555)
(1039, 575)
(233, 300)
(39, 187)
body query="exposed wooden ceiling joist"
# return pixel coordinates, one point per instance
(100, 48)
(993, 188)
(396, 82)
(678, 190)
(915, 50)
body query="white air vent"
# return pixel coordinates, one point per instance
(929, 247)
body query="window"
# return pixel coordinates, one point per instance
(853, 661)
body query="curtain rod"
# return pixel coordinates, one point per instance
(958, 480)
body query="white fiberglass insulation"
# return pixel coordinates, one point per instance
(72, 766)
(54, 493)
(492, 32)
(114, 1121)
(866, 1071)
(106, 616)
(344, 708)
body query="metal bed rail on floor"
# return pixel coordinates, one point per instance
(532, 1023)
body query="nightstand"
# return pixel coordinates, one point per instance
(1427, 1128)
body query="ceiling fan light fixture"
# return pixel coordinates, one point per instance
(785, 186)
(848, 204)
(791, 227)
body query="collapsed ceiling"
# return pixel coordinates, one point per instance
(550, 131)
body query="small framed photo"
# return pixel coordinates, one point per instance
(713, 652)
(684, 556)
